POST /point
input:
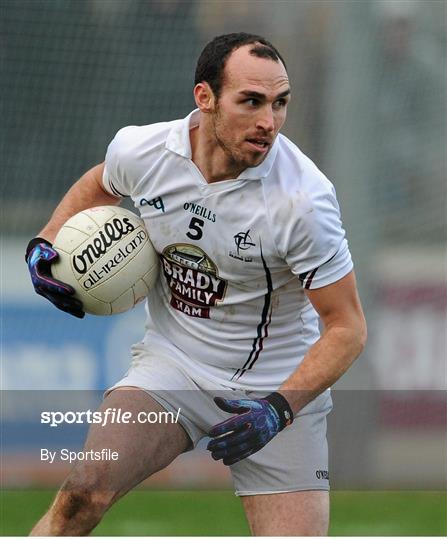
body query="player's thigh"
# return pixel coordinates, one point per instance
(141, 448)
(298, 513)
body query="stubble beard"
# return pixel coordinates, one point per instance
(235, 161)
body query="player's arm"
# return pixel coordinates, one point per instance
(257, 421)
(342, 341)
(87, 192)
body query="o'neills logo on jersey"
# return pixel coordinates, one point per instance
(193, 279)
(113, 231)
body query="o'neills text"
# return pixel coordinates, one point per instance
(96, 275)
(113, 231)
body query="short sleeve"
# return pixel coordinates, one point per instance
(116, 177)
(317, 250)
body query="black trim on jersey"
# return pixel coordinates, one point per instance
(307, 277)
(311, 274)
(115, 191)
(262, 329)
(310, 278)
(302, 276)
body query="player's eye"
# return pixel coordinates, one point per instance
(252, 102)
(279, 103)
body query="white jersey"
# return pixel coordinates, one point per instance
(235, 255)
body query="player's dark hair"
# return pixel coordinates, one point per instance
(211, 62)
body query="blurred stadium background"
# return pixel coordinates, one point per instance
(369, 88)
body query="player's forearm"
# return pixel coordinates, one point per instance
(324, 364)
(85, 193)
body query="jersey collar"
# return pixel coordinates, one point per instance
(178, 138)
(178, 142)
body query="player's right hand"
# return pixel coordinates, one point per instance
(39, 256)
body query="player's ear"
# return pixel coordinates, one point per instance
(204, 97)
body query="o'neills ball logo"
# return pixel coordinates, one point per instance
(99, 250)
(193, 279)
(113, 231)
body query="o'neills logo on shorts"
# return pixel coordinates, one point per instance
(113, 231)
(193, 279)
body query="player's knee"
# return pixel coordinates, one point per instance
(84, 498)
(77, 511)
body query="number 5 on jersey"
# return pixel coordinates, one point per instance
(195, 226)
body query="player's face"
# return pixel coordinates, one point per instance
(251, 108)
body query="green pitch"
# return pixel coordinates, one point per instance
(217, 513)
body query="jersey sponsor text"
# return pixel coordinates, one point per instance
(193, 280)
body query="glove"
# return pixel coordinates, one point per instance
(256, 422)
(39, 257)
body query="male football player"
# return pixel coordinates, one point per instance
(252, 254)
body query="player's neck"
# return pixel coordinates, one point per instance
(209, 157)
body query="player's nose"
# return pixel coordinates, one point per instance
(266, 120)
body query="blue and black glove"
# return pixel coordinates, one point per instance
(39, 257)
(256, 422)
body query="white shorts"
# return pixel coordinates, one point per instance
(295, 460)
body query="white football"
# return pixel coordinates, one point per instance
(105, 254)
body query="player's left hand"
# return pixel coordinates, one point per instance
(256, 422)
(39, 256)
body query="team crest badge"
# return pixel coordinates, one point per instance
(243, 242)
